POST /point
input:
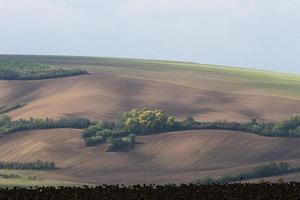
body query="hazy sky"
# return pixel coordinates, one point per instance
(262, 34)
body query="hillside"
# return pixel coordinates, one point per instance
(162, 158)
(205, 92)
(114, 85)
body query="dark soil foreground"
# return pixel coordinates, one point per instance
(264, 191)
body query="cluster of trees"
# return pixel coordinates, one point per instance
(8, 126)
(261, 171)
(13, 70)
(10, 107)
(37, 165)
(121, 133)
(113, 143)
(98, 133)
(143, 121)
(108, 132)
(124, 143)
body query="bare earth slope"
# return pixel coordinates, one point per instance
(163, 158)
(103, 95)
(206, 92)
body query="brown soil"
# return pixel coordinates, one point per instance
(162, 158)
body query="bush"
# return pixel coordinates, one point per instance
(95, 140)
(117, 144)
(5, 121)
(88, 132)
(105, 133)
(132, 137)
(189, 122)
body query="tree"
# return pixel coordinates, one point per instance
(145, 121)
(5, 120)
(188, 122)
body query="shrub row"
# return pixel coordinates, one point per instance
(13, 70)
(284, 128)
(37, 165)
(8, 176)
(7, 108)
(261, 171)
(8, 126)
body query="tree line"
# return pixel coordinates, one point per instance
(283, 128)
(37, 165)
(121, 132)
(261, 171)
(9, 126)
(10, 107)
(13, 70)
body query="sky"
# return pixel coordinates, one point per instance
(261, 34)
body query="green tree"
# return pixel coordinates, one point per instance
(5, 120)
(188, 122)
(145, 121)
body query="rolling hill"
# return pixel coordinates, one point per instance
(161, 158)
(205, 92)
(182, 89)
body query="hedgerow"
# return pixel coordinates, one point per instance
(14, 70)
(37, 165)
(10, 107)
(146, 121)
(9, 126)
(260, 171)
